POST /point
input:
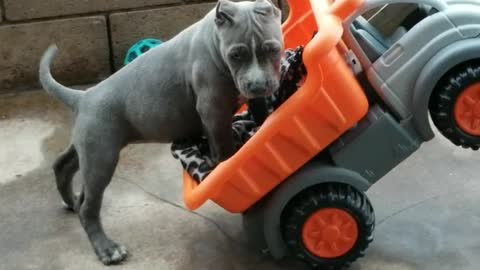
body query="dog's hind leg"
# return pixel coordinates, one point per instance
(98, 160)
(65, 168)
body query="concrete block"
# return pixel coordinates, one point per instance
(29, 9)
(83, 51)
(163, 23)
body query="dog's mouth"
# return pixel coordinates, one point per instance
(257, 93)
(251, 91)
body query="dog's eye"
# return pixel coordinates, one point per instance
(236, 55)
(273, 49)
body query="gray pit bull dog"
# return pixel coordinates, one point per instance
(185, 88)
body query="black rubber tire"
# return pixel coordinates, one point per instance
(333, 195)
(442, 104)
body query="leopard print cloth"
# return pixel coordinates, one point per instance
(194, 155)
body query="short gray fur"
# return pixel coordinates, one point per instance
(183, 89)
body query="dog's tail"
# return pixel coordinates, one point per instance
(67, 95)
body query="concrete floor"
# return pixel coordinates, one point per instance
(427, 209)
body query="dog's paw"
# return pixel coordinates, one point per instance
(67, 207)
(75, 203)
(111, 253)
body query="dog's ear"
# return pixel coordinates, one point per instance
(225, 12)
(266, 8)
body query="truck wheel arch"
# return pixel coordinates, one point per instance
(314, 173)
(440, 65)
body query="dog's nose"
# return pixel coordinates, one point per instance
(256, 88)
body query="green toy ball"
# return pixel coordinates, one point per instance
(140, 48)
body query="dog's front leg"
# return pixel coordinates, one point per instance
(217, 124)
(220, 138)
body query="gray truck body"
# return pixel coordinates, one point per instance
(403, 70)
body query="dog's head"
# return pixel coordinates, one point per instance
(251, 44)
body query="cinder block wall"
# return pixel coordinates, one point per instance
(93, 35)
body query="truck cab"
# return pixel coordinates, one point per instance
(395, 58)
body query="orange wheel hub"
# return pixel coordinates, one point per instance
(330, 233)
(467, 110)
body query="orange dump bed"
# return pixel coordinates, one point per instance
(329, 103)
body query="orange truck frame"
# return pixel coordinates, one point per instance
(300, 181)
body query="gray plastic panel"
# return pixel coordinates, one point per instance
(374, 4)
(374, 147)
(253, 225)
(401, 65)
(462, 2)
(466, 18)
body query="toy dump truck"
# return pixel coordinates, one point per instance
(364, 108)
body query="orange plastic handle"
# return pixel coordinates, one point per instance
(343, 8)
(324, 41)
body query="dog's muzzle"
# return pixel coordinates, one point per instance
(259, 89)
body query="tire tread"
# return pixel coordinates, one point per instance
(329, 195)
(442, 104)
